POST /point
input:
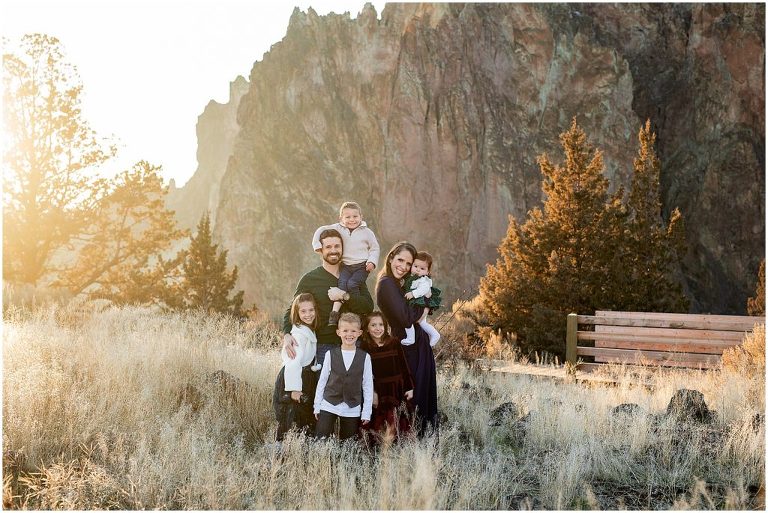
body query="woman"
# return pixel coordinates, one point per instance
(392, 382)
(421, 360)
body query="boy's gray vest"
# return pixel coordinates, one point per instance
(345, 385)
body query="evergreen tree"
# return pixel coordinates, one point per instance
(559, 260)
(49, 159)
(205, 282)
(63, 224)
(650, 250)
(756, 305)
(586, 250)
(125, 230)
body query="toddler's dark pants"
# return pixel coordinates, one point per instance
(351, 277)
(326, 423)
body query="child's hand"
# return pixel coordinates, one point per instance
(409, 394)
(336, 294)
(288, 343)
(365, 422)
(369, 267)
(428, 294)
(317, 416)
(375, 400)
(296, 395)
(409, 296)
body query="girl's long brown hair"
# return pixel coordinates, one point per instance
(302, 298)
(367, 337)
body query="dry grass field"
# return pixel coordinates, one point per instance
(135, 409)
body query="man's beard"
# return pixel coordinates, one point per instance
(332, 258)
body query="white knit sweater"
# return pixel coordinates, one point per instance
(305, 351)
(360, 244)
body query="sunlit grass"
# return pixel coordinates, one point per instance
(127, 408)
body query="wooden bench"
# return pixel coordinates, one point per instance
(655, 339)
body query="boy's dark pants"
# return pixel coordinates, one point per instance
(289, 412)
(351, 277)
(326, 423)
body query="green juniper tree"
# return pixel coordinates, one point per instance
(205, 283)
(585, 249)
(756, 305)
(651, 247)
(558, 260)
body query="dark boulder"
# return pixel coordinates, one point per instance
(627, 409)
(690, 405)
(504, 413)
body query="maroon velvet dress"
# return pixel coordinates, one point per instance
(391, 380)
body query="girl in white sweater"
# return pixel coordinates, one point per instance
(304, 320)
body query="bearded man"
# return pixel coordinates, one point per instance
(322, 283)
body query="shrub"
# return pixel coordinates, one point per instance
(748, 358)
(460, 339)
(585, 249)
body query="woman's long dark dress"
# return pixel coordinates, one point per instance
(420, 358)
(391, 380)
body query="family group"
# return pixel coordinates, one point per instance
(347, 367)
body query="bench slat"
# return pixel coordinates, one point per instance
(651, 357)
(677, 316)
(592, 367)
(666, 323)
(673, 333)
(690, 321)
(610, 340)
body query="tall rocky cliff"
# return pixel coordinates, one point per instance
(432, 118)
(217, 129)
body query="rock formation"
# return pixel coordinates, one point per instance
(216, 132)
(432, 118)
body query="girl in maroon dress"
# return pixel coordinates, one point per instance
(392, 382)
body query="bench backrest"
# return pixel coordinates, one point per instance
(663, 339)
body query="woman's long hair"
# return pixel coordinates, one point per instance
(396, 249)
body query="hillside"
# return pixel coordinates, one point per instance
(432, 118)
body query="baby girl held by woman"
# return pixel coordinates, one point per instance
(422, 293)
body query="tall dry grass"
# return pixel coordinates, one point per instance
(126, 408)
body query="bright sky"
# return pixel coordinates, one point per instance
(149, 68)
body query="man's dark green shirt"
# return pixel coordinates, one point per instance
(317, 282)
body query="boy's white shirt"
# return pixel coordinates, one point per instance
(342, 409)
(421, 286)
(306, 347)
(360, 244)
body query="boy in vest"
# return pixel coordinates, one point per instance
(345, 386)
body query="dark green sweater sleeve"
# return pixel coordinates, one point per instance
(301, 287)
(362, 303)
